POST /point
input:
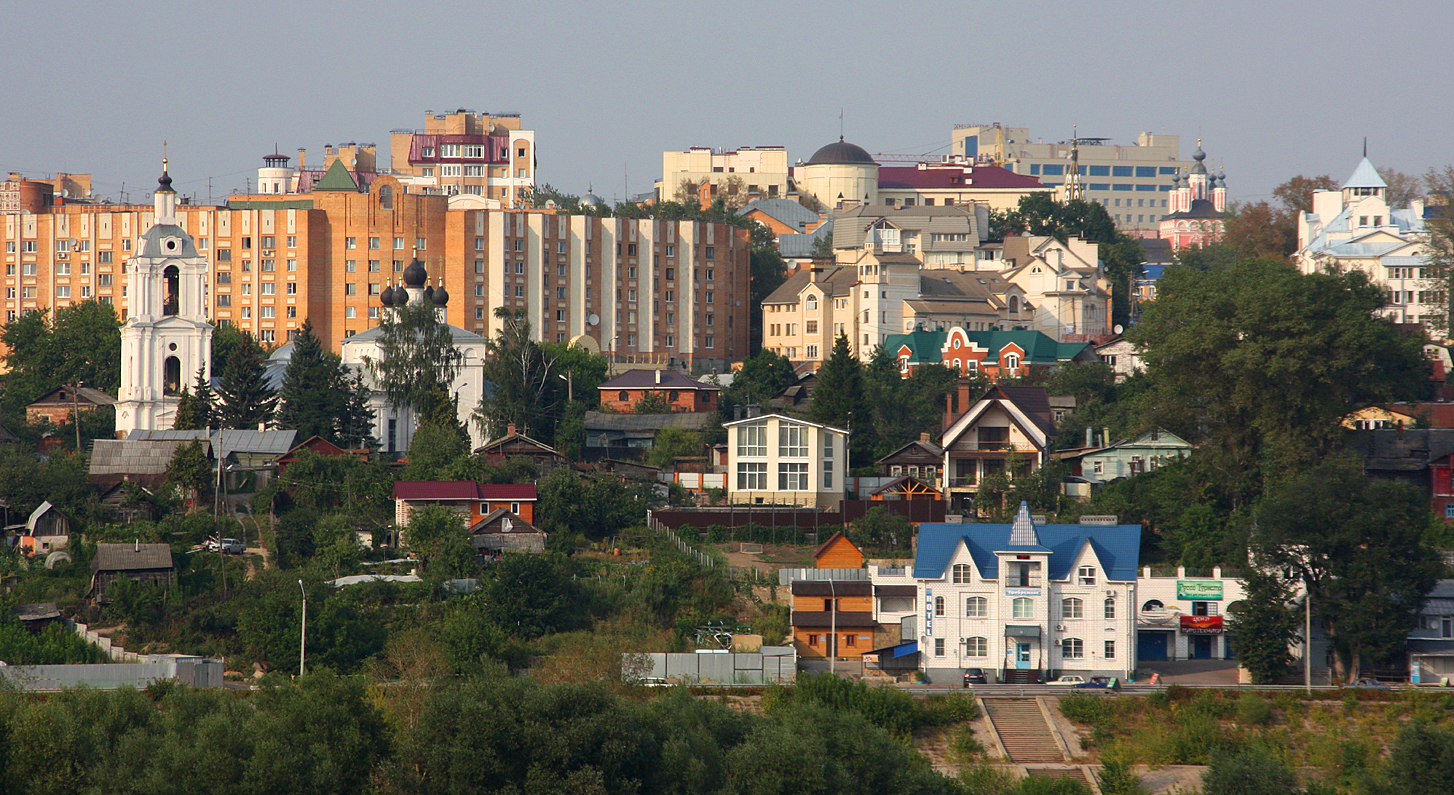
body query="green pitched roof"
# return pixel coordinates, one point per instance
(337, 178)
(927, 346)
(924, 346)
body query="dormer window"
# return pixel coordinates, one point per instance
(1086, 575)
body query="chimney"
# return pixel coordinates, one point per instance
(1090, 437)
(1106, 437)
(658, 378)
(753, 410)
(923, 437)
(302, 153)
(1400, 430)
(736, 413)
(510, 429)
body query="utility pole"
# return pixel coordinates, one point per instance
(833, 638)
(76, 413)
(303, 636)
(1308, 640)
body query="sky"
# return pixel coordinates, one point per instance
(1275, 89)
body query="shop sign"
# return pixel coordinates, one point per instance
(1022, 592)
(1201, 625)
(1199, 590)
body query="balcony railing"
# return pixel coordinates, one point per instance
(988, 446)
(1022, 582)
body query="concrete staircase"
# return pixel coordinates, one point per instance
(1019, 676)
(1022, 729)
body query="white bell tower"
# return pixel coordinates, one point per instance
(166, 337)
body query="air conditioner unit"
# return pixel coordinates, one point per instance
(1110, 592)
(267, 252)
(1058, 641)
(1059, 627)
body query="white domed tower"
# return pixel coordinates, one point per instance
(840, 174)
(166, 338)
(276, 176)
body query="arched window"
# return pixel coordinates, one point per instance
(976, 607)
(976, 647)
(1015, 303)
(811, 303)
(170, 286)
(938, 605)
(386, 197)
(1151, 606)
(172, 376)
(961, 573)
(1012, 361)
(623, 397)
(1072, 649)
(1022, 607)
(1072, 608)
(1110, 608)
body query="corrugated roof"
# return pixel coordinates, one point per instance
(131, 557)
(85, 393)
(843, 619)
(1116, 546)
(462, 490)
(647, 379)
(800, 246)
(789, 212)
(611, 421)
(133, 456)
(226, 441)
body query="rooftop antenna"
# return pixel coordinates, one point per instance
(840, 122)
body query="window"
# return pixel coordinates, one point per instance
(711, 252)
(710, 296)
(63, 291)
(752, 440)
(104, 257)
(348, 242)
(792, 477)
(375, 266)
(1086, 575)
(63, 268)
(792, 440)
(350, 289)
(267, 266)
(1110, 608)
(1022, 607)
(939, 606)
(938, 647)
(752, 476)
(961, 573)
(292, 266)
(292, 288)
(1110, 650)
(350, 266)
(976, 647)
(268, 288)
(976, 607)
(671, 274)
(1072, 608)
(268, 312)
(1072, 649)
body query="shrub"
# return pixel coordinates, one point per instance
(964, 748)
(1254, 710)
(887, 707)
(1050, 785)
(1116, 778)
(946, 710)
(1087, 709)
(1248, 773)
(985, 780)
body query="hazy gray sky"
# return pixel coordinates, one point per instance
(1276, 88)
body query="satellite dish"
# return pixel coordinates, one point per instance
(1119, 328)
(593, 319)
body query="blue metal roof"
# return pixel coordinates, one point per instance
(1365, 176)
(1118, 547)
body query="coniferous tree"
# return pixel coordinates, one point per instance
(356, 427)
(838, 399)
(314, 395)
(197, 409)
(247, 401)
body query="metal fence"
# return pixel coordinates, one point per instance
(690, 551)
(191, 671)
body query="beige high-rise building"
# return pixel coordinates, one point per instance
(462, 152)
(757, 171)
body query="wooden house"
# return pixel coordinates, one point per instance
(145, 563)
(503, 531)
(57, 405)
(838, 553)
(517, 445)
(45, 531)
(834, 618)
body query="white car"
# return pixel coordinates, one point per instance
(1069, 680)
(227, 546)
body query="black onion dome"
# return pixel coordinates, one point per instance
(841, 152)
(164, 185)
(440, 296)
(415, 275)
(428, 293)
(387, 296)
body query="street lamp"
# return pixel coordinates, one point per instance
(570, 385)
(303, 636)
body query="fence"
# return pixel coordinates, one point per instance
(774, 664)
(191, 671)
(690, 551)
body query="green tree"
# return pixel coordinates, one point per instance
(762, 377)
(671, 444)
(226, 339)
(532, 595)
(822, 247)
(189, 471)
(418, 359)
(902, 408)
(1420, 762)
(1296, 194)
(1248, 772)
(433, 452)
(838, 399)
(1264, 626)
(81, 345)
(1440, 227)
(1258, 364)
(880, 531)
(769, 271)
(653, 403)
(247, 400)
(1260, 230)
(1360, 547)
(356, 426)
(523, 378)
(314, 397)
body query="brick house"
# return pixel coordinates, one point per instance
(56, 405)
(626, 390)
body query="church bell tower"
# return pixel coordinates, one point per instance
(166, 337)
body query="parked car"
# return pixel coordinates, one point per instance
(227, 546)
(1069, 680)
(1099, 683)
(974, 676)
(1367, 683)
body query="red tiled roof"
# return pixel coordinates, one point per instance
(462, 490)
(900, 177)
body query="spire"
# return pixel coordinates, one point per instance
(1022, 531)
(1365, 146)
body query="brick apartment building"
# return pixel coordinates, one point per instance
(671, 293)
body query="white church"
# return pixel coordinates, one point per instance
(167, 338)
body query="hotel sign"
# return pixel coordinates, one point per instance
(1022, 592)
(928, 611)
(1199, 590)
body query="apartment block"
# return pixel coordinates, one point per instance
(463, 152)
(1130, 181)
(763, 170)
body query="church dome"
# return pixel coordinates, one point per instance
(841, 152)
(415, 275)
(428, 293)
(440, 296)
(387, 296)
